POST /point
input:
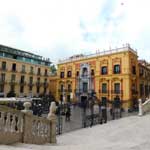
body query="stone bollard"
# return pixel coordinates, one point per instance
(52, 117)
(140, 108)
(26, 110)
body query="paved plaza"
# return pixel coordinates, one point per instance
(76, 118)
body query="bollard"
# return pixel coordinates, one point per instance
(140, 108)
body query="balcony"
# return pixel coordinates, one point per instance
(46, 74)
(30, 84)
(62, 90)
(3, 69)
(39, 73)
(2, 82)
(134, 92)
(23, 71)
(117, 92)
(38, 84)
(80, 91)
(13, 82)
(45, 84)
(31, 73)
(103, 91)
(14, 70)
(22, 83)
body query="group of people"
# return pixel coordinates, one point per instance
(64, 110)
(115, 110)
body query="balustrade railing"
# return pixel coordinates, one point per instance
(16, 126)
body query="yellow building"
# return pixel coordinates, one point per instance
(53, 85)
(108, 74)
(23, 73)
(144, 79)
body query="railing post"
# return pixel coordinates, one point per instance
(140, 108)
(52, 117)
(27, 124)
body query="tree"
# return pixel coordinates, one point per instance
(53, 69)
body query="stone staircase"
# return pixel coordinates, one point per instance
(129, 133)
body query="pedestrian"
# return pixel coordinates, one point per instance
(103, 108)
(68, 114)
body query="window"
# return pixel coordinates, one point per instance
(31, 80)
(13, 78)
(141, 71)
(116, 69)
(141, 89)
(85, 87)
(69, 87)
(30, 88)
(117, 88)
(3, 77)
(45, 89)
(61, 87)
(22, 79)
(12, 87)
(39, 71)
(133, 70)
(45, 80)
(104, 70)
(21, 89)
(23, 68)
(68, 98)
(92, 72)
(146, 90)
(38, 81)
(77, 73)
(104, 88)
(84, 72)
(69, 74)
(61, 74)
(13, 67)
(38, 89)
(3, 65)
(46, 72)
(31, 70)
(1, 88)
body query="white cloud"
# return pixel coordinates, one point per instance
(58, 28)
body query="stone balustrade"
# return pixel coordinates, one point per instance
(16, 126)
(11, 125)
(144, 107)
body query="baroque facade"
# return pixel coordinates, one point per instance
(109, 74)
(23, 73)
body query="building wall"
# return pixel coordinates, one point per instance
(53, 85)
(128, 77)
(27, 74)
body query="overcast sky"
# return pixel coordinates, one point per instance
(61, 28)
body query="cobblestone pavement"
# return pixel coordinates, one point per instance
(76, 118)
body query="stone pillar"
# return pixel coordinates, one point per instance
(27, 123)
(26, 110)
(140, 108)
(52, 117)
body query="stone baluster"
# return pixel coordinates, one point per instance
(2, 121)
(52, 118)
(38, 128)
(140, 108)
(19, 125)
(34, 127)
(8, 123)
(45, 130)
(13, 124)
